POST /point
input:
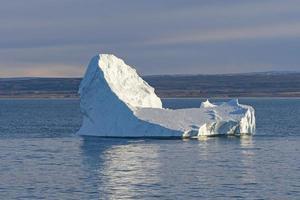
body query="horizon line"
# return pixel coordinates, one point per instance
(273, 72)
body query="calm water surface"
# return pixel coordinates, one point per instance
(42, 158)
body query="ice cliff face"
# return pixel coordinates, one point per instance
(116, 102)
(123, 81)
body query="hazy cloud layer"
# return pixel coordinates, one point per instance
(58, 37)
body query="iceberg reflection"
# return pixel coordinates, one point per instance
(173, 169)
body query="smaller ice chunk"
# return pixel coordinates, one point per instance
(207, 104)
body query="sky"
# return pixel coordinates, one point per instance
(57, 38)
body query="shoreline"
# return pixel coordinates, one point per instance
(204, 98)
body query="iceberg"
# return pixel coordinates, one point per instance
(116, 102)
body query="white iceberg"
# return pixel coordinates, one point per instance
(116, 102)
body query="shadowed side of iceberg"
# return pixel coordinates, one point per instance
(104, 114)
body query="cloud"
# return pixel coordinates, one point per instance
(240, 33)
(40, 70)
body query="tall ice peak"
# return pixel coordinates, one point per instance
(124, 81)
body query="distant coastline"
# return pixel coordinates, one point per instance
(250, 85)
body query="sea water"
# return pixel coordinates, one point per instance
(42, 158)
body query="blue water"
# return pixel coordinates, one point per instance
(41, 158)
